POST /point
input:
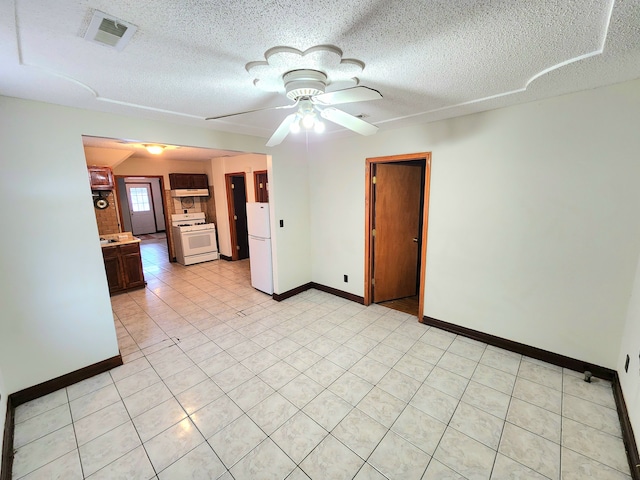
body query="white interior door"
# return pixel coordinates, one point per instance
(143, 219)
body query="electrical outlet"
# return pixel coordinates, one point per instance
(626, 364)
(281, 223)
(346, 278)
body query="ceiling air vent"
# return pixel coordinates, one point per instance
(109, 31)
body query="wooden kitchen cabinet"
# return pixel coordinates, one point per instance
(123, 265)
(180, 181)
(100, 178)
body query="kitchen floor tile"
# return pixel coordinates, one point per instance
(331, 459)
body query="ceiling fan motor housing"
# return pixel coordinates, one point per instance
(304, 83)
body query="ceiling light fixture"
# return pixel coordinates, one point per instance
(155, 149)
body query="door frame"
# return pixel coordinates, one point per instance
(369, 212)
(167, 221)
(231, 210)
(256, 188)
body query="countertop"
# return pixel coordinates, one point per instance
(116, 239)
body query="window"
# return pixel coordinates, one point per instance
(139, 199)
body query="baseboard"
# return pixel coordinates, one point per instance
(40, 390)
(7, 443)
(224, 257)
(627, 430)
(528, 350)
(565, 362)
(338, 293)
(278, 297)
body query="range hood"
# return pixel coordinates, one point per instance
(190, 192)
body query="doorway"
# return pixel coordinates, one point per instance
(142, 208)
(261, 186)
(397, 199)
(237, 202)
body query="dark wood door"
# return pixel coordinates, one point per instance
(397, 210)
(261, 186)
(237, 201)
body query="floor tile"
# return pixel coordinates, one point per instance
(199, 395)
(435, 403)
(327, 409)
(236, 440)
(216, 415)
(477, 424)
(360, 432)
(285, 356)
(351, 388)
(599, 446)
(331, 459)
(592, 414)
(539, 395)
(487, 399)
(464, 455)
(159, 418)
(531, 450)
(41, 425)
(98, 423)
(420, 429)
(381, 406)
(266, 461)
(103, 450)
(272, 412)
(173, 443)
(579, 467)
(134, 464)
(145, 399)
(398, 459)
(535, 419)
(301, 390)
(507, 469)
(298, 436)
(447, 382)
(43, 450)
(66, 467)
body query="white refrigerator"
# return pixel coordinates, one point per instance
(260, 246)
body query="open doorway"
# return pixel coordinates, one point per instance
(396, 197)
(237, 203)
(143, 211)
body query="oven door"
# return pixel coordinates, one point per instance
(199, 242)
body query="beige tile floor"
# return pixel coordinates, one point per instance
(220, 381)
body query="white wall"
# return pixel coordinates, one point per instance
(56, 313)
(533, 223)
(630, 345)
(219, 168)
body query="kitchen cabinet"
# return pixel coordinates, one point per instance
(180, 181)
(123, 265)
(100, 178)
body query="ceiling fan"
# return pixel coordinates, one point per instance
(307, 89)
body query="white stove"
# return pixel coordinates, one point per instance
(195, 240)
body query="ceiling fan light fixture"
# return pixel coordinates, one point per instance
(308, 121)
(319, 127)
(295, 127)
(155, 149)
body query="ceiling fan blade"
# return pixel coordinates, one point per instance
(282, 131)
(347, 120)
(252, 111)
(348, 95)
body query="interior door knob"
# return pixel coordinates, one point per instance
(415, 239)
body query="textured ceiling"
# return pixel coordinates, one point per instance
(429, 59)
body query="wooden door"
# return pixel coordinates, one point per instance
(261, 186)
(237, 202)
(397, 195)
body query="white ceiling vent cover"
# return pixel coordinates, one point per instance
(109, 31)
